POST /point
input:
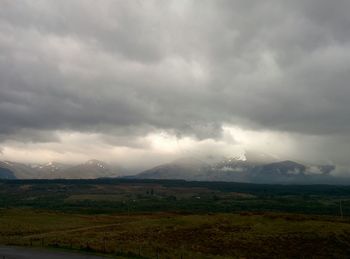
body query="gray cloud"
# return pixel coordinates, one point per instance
(124, 69)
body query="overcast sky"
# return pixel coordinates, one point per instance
(142, 82)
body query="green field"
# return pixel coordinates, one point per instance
(176, 219)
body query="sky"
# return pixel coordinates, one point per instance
(140, 83)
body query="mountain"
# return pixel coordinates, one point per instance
(295, 173)
(186, 168)
(236, 169)
(280, 172)
(230, 169)
(196, 170)
(52, 170)
(19, 170)
(89, 170)
(242, 170)
(6, 173)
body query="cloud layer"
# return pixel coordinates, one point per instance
(127, 70)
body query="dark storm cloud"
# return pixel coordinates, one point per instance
(131, 67)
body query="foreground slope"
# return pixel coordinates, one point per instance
(169, 235)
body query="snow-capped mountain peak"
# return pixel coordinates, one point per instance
(96, 163)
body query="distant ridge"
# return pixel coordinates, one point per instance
(91, 169)
(238, 170)
(191, 169)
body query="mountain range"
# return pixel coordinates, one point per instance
(89, 170)
(237, 170)
(229, 169)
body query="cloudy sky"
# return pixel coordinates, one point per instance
(142, 82)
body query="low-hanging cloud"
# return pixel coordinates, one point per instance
(127, 69)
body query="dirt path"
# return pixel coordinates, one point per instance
(46, 234)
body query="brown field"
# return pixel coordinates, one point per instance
(167, 235)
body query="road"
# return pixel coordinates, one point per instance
(31, 253)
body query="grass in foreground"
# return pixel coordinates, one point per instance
(250, 235)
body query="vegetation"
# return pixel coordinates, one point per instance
(139, 196)
(169, 235)
(177, 219)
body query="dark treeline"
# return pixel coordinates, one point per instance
(256, 189)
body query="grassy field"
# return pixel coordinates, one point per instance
(177, 219)
(168, 235)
